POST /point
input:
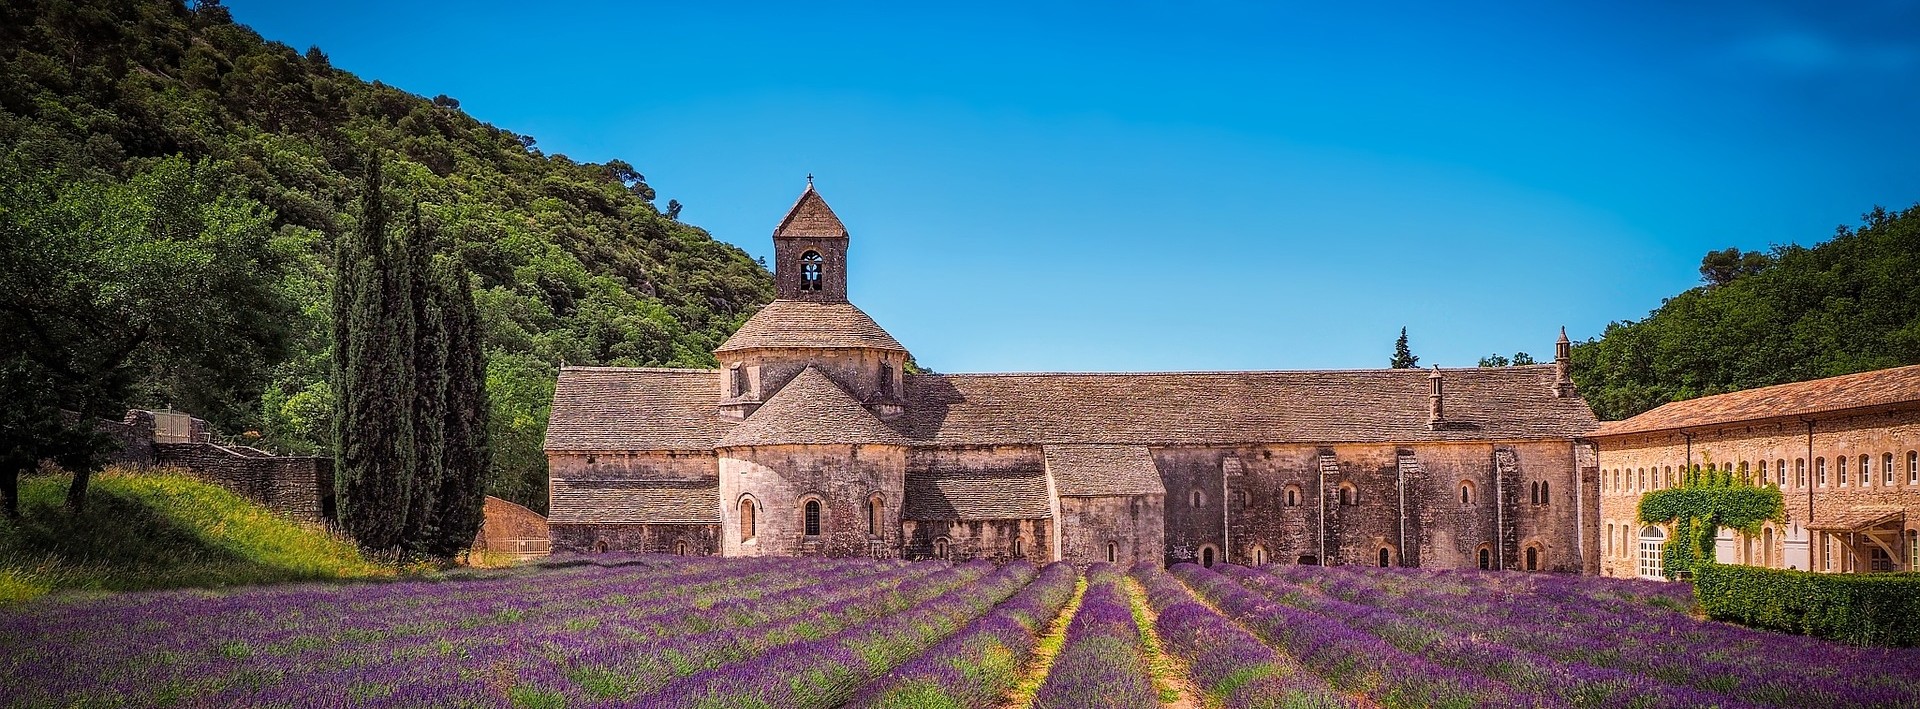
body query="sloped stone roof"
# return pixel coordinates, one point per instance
(811, 410)
(1222, 408)
(1882, 387)
(635, 408)
(810, 217)
(799, 323)
(1101, 470)
(976, 495)
(634, 502)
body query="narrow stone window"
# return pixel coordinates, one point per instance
(811, 518)
(737, 380)
(1019, 550)
(1386, 557)
(1197, 498)
(1468, 495)
(1486, 559)
(1913, 550)
(600, 546)
(1799, 472)
(1533, 558)
(1113, 553)
(1820, 470)
(1546, 493)
(1766, 547)
(1206, 556)
(1780, 471)
(811, 270)
(1866, 472)
(1349, 496)
(875, 508)
(1533, 493)
(1259, 555)
(1840, 468)
(940, 548)
(1886, 468)
(1913, 468)
(747, 523)
(886, 379)
(680, 548)
(1609, 549)
(1293, 496)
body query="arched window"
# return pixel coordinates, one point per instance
(1886, 468)
(1799, 472)
(1820, 470)
(1349, 495)
(1760, 470)
(1533, 493)
(1766, 547)
(1197, 498)
(1652, 550)
(1744, 476)
(1913, 468)
(1293, 495)
(876, 507)
(1019, 549)
(600, 546)
(1386, 557)
(1207, 555)
(748, 527)
(1259, 555)
(1643, 479)
(1113, 552)
(1669, 476)
(811, 518)
(940, 548)
(1486, 558)
(1469, 496)
(1533, 558)
(1780, 471)
(1545, 493)
(680, 548)
(1840, 468)
(1609, 545)
(1866, 471)
(811, 270)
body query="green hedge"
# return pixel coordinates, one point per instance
(1862, 609)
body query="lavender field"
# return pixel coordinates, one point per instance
(660, 631)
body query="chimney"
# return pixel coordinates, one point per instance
(1562, 361)
(1435, 410)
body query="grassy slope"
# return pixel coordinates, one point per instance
(159, 529)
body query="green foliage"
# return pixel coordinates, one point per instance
(1704, 502)
(571, 261)
(1495, 360)
(374, 338)
(1403, 356)
(157, 529)
(466, 456)
(1862, 609)
(1849, 305)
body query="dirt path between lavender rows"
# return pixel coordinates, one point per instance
(1170, 675)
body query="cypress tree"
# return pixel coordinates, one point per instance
(1403, 357)
(373, 423)
(468, 455)
(429, 384)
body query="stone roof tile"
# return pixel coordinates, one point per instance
(976, 495)
(622, 408)
(1882, 387)
(634, 502)
(1101, 470)
(810, 217)
(811, 410)
(805, 324)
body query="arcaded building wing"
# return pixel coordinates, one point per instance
(812, 439)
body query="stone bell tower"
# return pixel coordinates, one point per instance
(810, 252)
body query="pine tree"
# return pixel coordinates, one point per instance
(373, 422)
(1403, 357)
(429, 385)
(468, 452)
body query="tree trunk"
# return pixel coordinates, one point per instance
(77, 492)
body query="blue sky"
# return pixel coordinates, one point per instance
(1162, 186)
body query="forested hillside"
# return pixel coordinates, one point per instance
(1847, 305)
(149, 108)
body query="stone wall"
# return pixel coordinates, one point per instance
(512, 529)
(780, 480)
(132, 437)
(1630, 466)
(300, 487)
(686, 539)
(967, 540)
(631, 466)
(1135, 526)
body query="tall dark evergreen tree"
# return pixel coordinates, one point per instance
(1403, 357)
(467, 448)
(373, 374)
(429, 386)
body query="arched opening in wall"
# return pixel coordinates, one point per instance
(1113, 552)
(1349, 495)
(680, 548)
(1486, 558)
(1533, 558)
(1653, 542)
(1866, 472)
(1609, 546)
(1293, 496)
(941, 548)
(810, 518)
(1913, 467)
(1799, 472)
(1207, 555)
(876, 507)
(1780, 471)
(1197, 498)
(1546, 493)
(748, 525)
(1766, 547)
(1820, 470)
(812, 270)
(1019, 549)
(1308, 560)
(1468, 495)
(1533, 493)
(1886, 468)
(1386, 557)
(1259, 555)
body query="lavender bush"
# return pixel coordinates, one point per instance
(974, 667)
(1224, 660)
(1100, 666)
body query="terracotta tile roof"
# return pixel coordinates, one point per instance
(1213, 408)
(810, 216)
(810, 410)
(634, 502)
(1096, 470)
(976, 495)
(799, 323)
(620, 408)
(1852, 391)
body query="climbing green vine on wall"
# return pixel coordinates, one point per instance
(1704, 502)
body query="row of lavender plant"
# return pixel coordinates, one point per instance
(1352, 660)
(1574, 683)
(822, 673)
(480, 625)
(1232, 666)
(1101, 665)
(1754, 665)
(976, 666)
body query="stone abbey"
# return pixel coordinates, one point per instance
(813, 439)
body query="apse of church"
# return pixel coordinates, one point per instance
(811, 439)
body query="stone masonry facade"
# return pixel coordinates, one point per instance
(811, 438)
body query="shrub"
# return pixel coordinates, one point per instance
(1862, 609)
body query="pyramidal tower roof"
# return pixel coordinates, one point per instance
(810, 217)
(811, 410)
